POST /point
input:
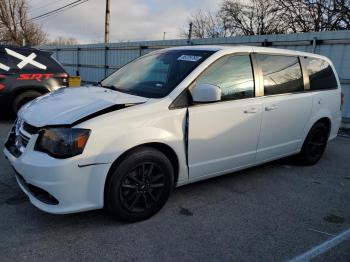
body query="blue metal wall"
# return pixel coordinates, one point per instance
(95, 61)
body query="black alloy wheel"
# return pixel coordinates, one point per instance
(142, 187)
(314, 144)
(139, 186)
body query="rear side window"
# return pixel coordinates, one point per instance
(321, 74)
(281, 74)
(234, 76)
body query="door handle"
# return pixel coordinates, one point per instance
(270, 108)
(250, 111)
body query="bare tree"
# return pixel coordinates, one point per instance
(260, 17)
(256, 17)
(207, 24)
(237, 17)
(315, 15)
(15, 26)
(343, 8)
(63, 41)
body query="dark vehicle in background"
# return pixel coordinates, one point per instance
(27, 73)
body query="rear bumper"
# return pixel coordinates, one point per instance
(336, 123)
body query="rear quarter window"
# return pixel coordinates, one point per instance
(321, 74)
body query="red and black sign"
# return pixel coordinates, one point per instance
(37, 77)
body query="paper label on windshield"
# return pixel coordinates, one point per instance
(190, 58)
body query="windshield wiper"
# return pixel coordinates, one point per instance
(107, 87)
(118, 89)
(121, 90)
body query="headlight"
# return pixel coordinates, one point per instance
(62, 142)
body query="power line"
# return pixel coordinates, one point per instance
(59, 12)
(54, 14)
(46, 5)
(61, 9)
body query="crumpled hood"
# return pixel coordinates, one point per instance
(68, 105)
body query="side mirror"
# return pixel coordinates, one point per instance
(203, 93)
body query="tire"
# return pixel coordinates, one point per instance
(23, 98)
(314, 145)
(140, 185)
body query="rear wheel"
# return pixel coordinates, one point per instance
(140, 185)
(314, 145)
(23, 98)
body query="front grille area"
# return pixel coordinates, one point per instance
(30, 129)
(25, 139)
(10, 144)
(17, 141)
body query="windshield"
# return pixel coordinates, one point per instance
(157, 74)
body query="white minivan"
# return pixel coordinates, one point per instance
(170, 118)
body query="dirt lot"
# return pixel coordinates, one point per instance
(273, 212)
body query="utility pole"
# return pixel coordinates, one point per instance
(190, 34)
(107, 18)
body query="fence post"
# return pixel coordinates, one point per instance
(57, 56)
(266, 43)
(78, 61)
(106, 60)
(189, 40)
(314, 42)
(142, 47)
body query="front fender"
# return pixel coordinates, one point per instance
(109, 141)
(109, 150)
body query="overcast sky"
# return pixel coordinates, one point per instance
(130, 19)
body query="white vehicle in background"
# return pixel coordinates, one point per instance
(169, 118)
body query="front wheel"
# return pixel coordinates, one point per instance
(314, 145)
(140, 185)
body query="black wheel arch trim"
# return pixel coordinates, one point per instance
(155, 145)
(325, 120)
